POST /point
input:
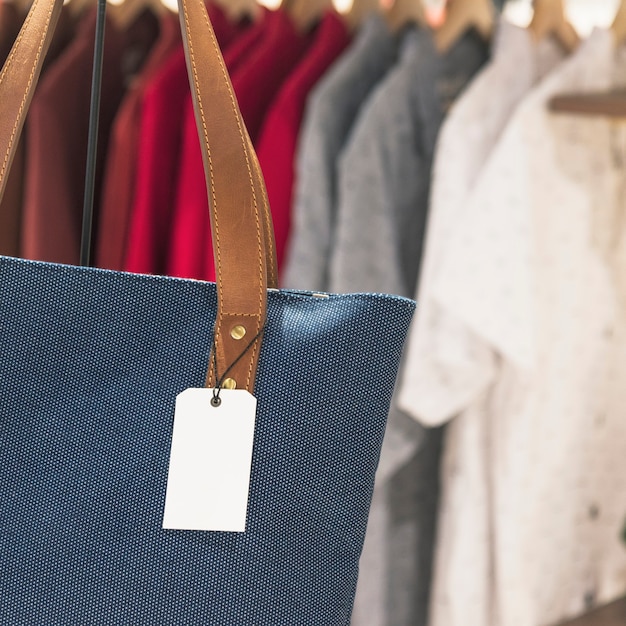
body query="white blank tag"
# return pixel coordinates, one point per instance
(210, 462)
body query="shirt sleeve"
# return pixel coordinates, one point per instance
(480, 306)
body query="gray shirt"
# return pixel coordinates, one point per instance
(385, 169)
(384, 180)
(330, 114)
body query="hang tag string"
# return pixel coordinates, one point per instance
(216, 401)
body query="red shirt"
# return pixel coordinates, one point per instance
(256, 82)
(239, 49)
(57, 143)
(159, 153)
(121, 167)
(279, 138)
(259, 79)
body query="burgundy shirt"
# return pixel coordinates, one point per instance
(57, 144)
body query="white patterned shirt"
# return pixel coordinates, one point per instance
(433, 394)
(534, 474)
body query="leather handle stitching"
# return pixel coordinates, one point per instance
(247, 157)
(244, 147)
(15, 47)
(30, 79)
(270, 243)
(254, 197)
(266, 214)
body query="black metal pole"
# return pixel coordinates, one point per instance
(92, 149)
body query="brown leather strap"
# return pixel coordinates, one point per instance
(19, 77)
(236, 220)
(243, 238)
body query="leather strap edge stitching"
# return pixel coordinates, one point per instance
(217, 242)
(30, 79)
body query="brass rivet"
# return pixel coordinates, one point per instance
(229, 383)
(238, 333)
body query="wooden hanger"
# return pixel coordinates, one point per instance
(619, 24)
(123, 13)
(127, 12)
(360, 11)
(461, 16)
(237, 10)
(549, 20)
(611, 104)
(404, 12)
(306, 13)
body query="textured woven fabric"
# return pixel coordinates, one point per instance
(92, 363)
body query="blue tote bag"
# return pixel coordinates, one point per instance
(93, 367)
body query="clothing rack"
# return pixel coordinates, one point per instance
(611, 105)
(94, 117)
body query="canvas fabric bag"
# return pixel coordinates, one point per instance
(92, 363)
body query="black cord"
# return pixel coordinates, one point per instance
(219, 381)
(94, 120)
